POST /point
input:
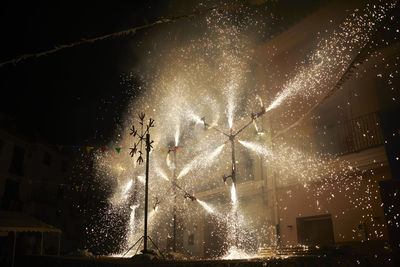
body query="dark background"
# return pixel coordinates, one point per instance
(77, 96)
(74, 95)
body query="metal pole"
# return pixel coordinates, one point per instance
(276, 219)
(13, 255)
(233, 160)
(232, 138)
(174, 215)
(146, 199)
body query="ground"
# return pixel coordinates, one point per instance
(327, 257)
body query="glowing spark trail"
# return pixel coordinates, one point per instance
(125, 190)
(133, 234)
(177, 133)
(233, 222)
(259, 99)
(131, 231)
(205, 206)
(195, 118)
(170, 164)
(127, 187)
(231, 105)
(201, 161)
(333, 55)
(211, 76)
(259, 149)
(255, 126)
(233, 195)
(162, 174)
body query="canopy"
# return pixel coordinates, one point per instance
(20, 222)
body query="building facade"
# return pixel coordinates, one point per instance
(35, 179)
(327, 187)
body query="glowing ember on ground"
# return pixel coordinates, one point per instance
(235, 253)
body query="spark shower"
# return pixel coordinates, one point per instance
(209, 76)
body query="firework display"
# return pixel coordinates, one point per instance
(205, 94)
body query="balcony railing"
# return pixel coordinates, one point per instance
(350, 136)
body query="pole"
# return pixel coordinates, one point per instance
(146, 198)
(232, 139)
(174, 233)
(233, 160)
(13, 255)
(276, 219)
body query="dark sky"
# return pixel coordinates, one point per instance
(75, 96)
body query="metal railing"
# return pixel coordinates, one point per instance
(350, 136)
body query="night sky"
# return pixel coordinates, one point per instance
(76, 96)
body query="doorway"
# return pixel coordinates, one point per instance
(315, 230)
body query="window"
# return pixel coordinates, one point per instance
(11, 199)
(17, 161)
(315, 230)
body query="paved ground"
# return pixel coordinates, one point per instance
(358, 255)
(309, 260)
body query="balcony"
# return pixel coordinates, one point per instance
(350, 136)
